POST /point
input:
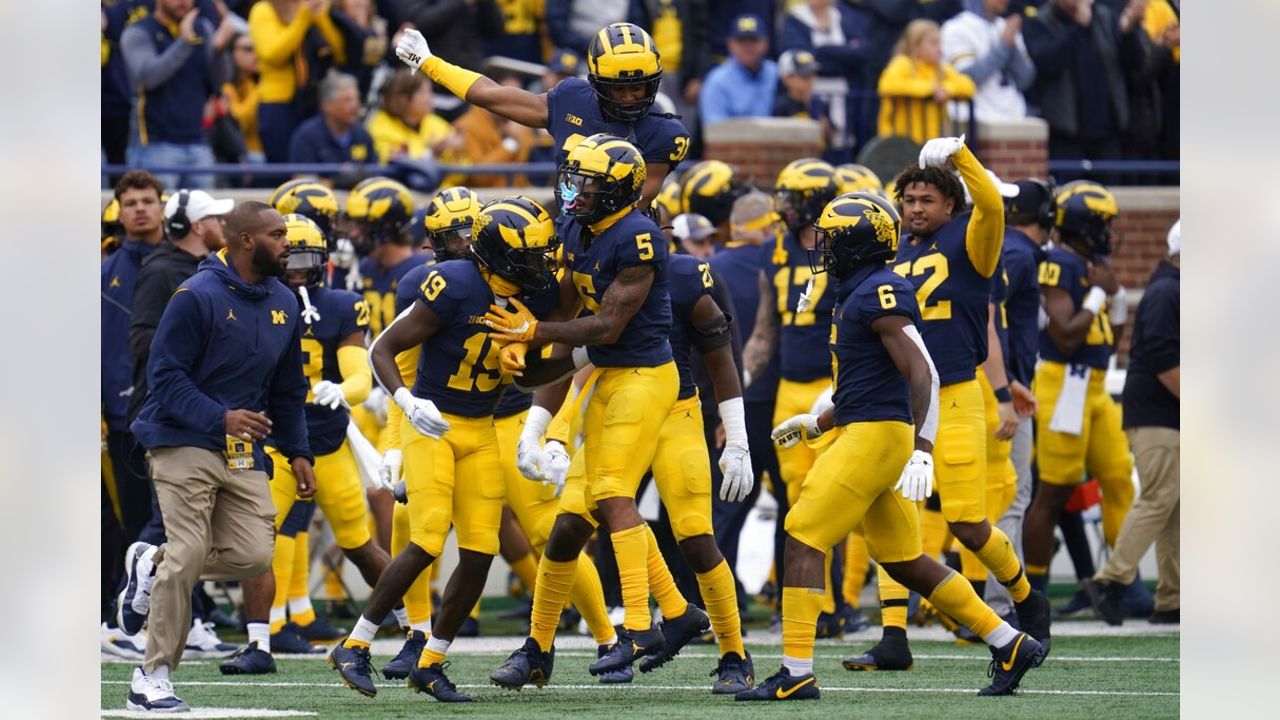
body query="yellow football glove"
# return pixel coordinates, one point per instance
(517, 324)
(511, 358)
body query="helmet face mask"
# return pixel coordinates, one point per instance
(308, 254)
(580, 195)
(514, 240)
(854, 229)
(803, 189)
(1083, 217)
(602, 175)
(451, 243)
(448, 222)
(624, 69)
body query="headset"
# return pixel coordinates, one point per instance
(179, 226)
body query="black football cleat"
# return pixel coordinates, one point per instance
(676, 633)
(1166, 617)
(1107, 599)
(734, 674)
(249, 660)
(830, 625)
(1010, 663)
(319, 630)
(355, 666)
(891, 653)
(432, 681)
(528, 665)
(853, 620)
(407, 659)
(1034, 617)
(621, 676)
(631, 646)
(289, 642)
(782, 686)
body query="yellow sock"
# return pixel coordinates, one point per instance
(430, 657)
(893, 601)
(282, 568)
(631, 548)
(857, 560)
(333, 585)
(828, 591)
(526, 568)
(955, 597)
(555, 580)
(973, 569)
(588, 596)
(721, 598)
(475, 611)
(998, 555)
(351, 642)
(300, 582)
(661, 584)
(934, 534)
(800, 610)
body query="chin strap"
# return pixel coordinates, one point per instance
(310, 314)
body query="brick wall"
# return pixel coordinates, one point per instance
(1015, 149)
(760, 147)
(1142, 228)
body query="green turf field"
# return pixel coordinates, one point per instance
(1087, 676)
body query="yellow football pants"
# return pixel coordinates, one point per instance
(339, 494)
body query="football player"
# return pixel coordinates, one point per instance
(336, 365)
(950, 256)
(885, 381)
(1078, 424)
(623, 73)
(450, 446)
(793, 317)
(616, 259)
(709, 189)
(852, 177)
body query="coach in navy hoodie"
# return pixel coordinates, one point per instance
(225, 372)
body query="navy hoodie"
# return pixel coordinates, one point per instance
(119, 274)
(224, 344)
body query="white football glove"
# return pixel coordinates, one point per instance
(412, 49)
(806, 297)
(555, 465)
(422, 413)
(796, 428)
(938, 151)
(376, 403)
(739, 479)
(581, 358)
(916, 481)
(344, 254)
(389, 468)
(529, 459)
(329, 394)
(824, 401)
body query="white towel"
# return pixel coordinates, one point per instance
(1068, 412)
(367, 457)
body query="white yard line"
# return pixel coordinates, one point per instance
(214, 713)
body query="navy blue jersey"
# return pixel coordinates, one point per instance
(689, 279)
(868, 385)
(595, 261)
(1000, 296)
(380, 288)
(342, 314)
(573, 113)
(787, 268)
(738, 267)
(952, 296)
(1064, 269)
(1021, 260)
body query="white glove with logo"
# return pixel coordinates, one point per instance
(735, 460)
(796, 428)
(389, 468)
(329, 394)
(916, 482)
(555, 465)
(412, 49)
(529, 459)
(938, 151)
(422, 413)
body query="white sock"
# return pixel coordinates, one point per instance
(797, 667)
(1001, 636)
(364, 630)
(402, 616)
(261, 633)
(423, 627)
(299, 605)
(439, 645)
(160, 673)
(277, 615)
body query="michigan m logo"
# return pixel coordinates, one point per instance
(277, 317)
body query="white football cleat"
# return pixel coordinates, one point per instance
(153, 695)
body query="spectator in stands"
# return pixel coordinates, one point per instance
(296, 41)
(1085, 57)
(490, 138)
(117, 93)
(241, 92)
(836, 35)
(455, 29)
(679, 30)
(572, 23)
(797, 71)
(176, 63)
(1150, 111)
(693, 232)
(746, 83)
(989, 49)
(563, 64)
(521, 37)
(405, 126)
(1162, 26)
(335, 135)
(364, 37)
(888, 20)
(917, 85)
(722, 17)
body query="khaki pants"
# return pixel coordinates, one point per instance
(1153, 518)
(219, 526)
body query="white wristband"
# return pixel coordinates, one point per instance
(535, 424)
(1118, 312)
(733, 415)
(404, 398)
(1094, 300)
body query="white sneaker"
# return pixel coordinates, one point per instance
(203, 642)
(153, 695)
(140, 575)
(123, 645)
